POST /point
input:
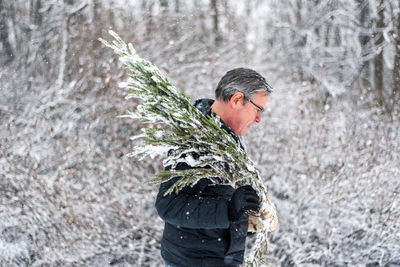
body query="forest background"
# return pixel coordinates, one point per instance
(328, 145)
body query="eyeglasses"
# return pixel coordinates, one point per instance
(261, 110)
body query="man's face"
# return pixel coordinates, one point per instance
(246, 115)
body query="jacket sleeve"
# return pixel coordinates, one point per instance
(193, 207)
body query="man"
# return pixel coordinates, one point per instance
(207, 225)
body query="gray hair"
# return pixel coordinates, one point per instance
(247, 81)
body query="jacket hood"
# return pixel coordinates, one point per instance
(204, 105)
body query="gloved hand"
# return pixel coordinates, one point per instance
(244, 198)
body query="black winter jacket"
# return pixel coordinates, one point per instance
(197, 230)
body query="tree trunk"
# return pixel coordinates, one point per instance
(7, 49)
(396, 67)
(364, 41)
(36, 15)
(214, 14)
(378, 60)
(149, 19)
(338, 43)
(316, 30)
(328, 34)
(111, 13)
(300, 37)
(164, 4)
(63, 52)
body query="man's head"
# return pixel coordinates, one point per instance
(241, 96)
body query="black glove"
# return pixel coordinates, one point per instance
(244, 198)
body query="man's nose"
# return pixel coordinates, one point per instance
(258, 119)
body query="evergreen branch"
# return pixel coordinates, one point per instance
(188, 178)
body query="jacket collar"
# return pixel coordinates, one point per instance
(204, 105)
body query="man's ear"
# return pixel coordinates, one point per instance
(236, 100)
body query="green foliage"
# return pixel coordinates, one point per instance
(189, 135)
